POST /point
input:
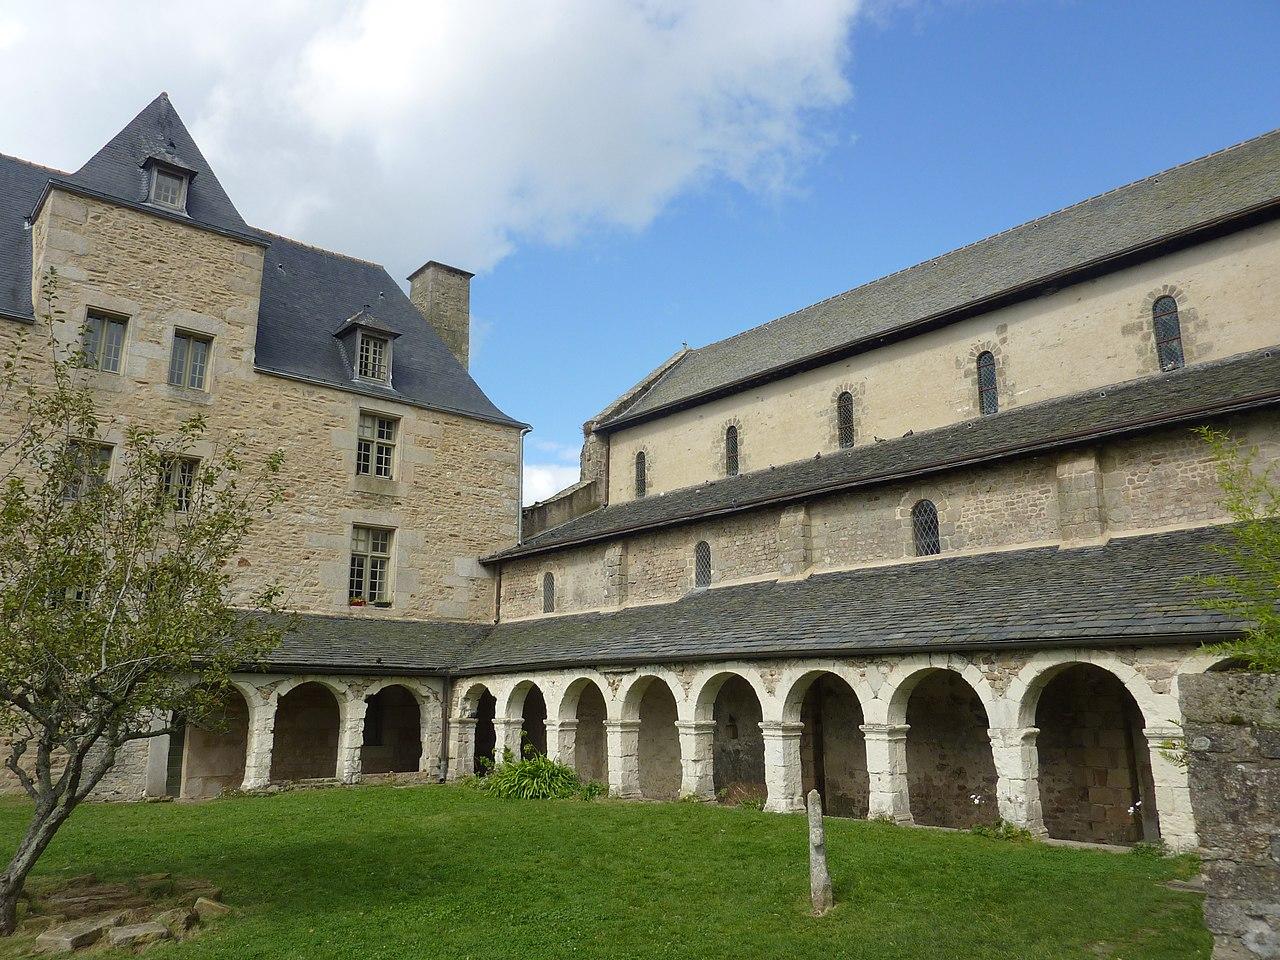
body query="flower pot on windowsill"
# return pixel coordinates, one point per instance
(355, 603)
(382, 604)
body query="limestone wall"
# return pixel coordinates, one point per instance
(1087, 335)
(1232, 726)
(454, 497)
(1153, 481)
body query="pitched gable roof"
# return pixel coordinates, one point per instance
(20, 185)
(1196, 196)
(119, 170)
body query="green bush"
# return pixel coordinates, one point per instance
(534, 778)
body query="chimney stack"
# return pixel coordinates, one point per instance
(442, 295)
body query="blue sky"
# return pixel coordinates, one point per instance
(966, 119)
(626, 175)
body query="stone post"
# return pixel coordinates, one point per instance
(1173, 798)
(1018, 777)
(462, 758)
(429, 732)
(782, 766)
(819, 877)
(697, 758)
(351, 738)
(507, 733)
(262, 731)
(562, 738)
(887, 771)
(623, 737)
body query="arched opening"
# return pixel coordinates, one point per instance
(925, 534)
(642, 475)
(548, 593)
(658, 743)
(731, 451)
(845, 432)
(590, 746)
(737, 746)
(1168, 333)
(951, 774)
(210, 757)
(485, 736)
(1095, 768)
(306, 734)
(533, 723)
(392, 732)
(988, 388)
(702, 564)
(833, 749)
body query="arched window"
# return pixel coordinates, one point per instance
(731, 452)
(642, 480)
(548, 593)
(988, 392)
(924, 529)
(844, 420)
(1168, 330)
(702, 564)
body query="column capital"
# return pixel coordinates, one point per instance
(781, 728)
(622, 724)
(885, 731)
(463, 721)
(1154, 734)
(696, 726)
(1012, 736)
(561, 724)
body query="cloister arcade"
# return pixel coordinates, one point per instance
(1069, 744)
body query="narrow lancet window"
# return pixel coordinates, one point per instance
(988, 392)
(924, 529)
(731, 452)
(642, 479)
(702, 564)
(844, 420)
(1168, 331)
(548, 593)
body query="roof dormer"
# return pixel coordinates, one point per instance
(366, 345)
(167, 182)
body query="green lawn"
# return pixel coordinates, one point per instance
(450, 872)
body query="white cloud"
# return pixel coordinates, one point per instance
(402, 130)
(563, 451)
(541, 480)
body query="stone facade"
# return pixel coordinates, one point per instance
(1087, 335)
(1232, 724)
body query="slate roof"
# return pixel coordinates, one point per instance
(1188, 395)
(1130, 590)
(1221, 186)
(307, 293)
(374, 645)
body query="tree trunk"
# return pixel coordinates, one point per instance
(45, 822)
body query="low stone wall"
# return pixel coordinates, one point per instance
(1232, 726)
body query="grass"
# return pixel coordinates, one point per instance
(380, 872)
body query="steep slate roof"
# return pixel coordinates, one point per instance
(307, 293)
(374, 645)
(1222, 186)
(1182, 396)
(1130, 590)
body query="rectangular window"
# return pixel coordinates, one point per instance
(179, 481)
(103, 342)
(189, 365)
(370, 579)
(167, 189)
(90, 463)
(372, 363)
(376, 446)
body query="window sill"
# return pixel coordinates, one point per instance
(190, 394)
(363, 483)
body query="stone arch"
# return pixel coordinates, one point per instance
(951, 774)
(1095, 777)
(209, 760)
(833, 750)
(732, 701)
(477, 708)
(707, 688)
(583, 708)
(393, 721)
(307, 723)
(527, 702)
(650, 702)
(1025, 690)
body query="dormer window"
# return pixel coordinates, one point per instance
(374, 358)
(168, 188)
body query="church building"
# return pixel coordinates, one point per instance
(928, 546)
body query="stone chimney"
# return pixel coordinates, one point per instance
(442, 295)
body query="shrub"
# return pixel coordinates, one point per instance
(1003, 830)
(533, 778)
(592, 790)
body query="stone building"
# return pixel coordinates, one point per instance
(925, 545)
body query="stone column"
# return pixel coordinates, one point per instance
(782, 766)
(462, 757)
(561, 741)
(1018, 777)
(623, 737)
(262, 732)
(351, 738)
(1173, 798)
(697, 758)
(887, 770)
(508, 738)
(429, 735)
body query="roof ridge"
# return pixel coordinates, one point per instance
(999, 233)
(32, 163)
(316, 249)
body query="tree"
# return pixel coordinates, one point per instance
(1251, 592)
(114, 588)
